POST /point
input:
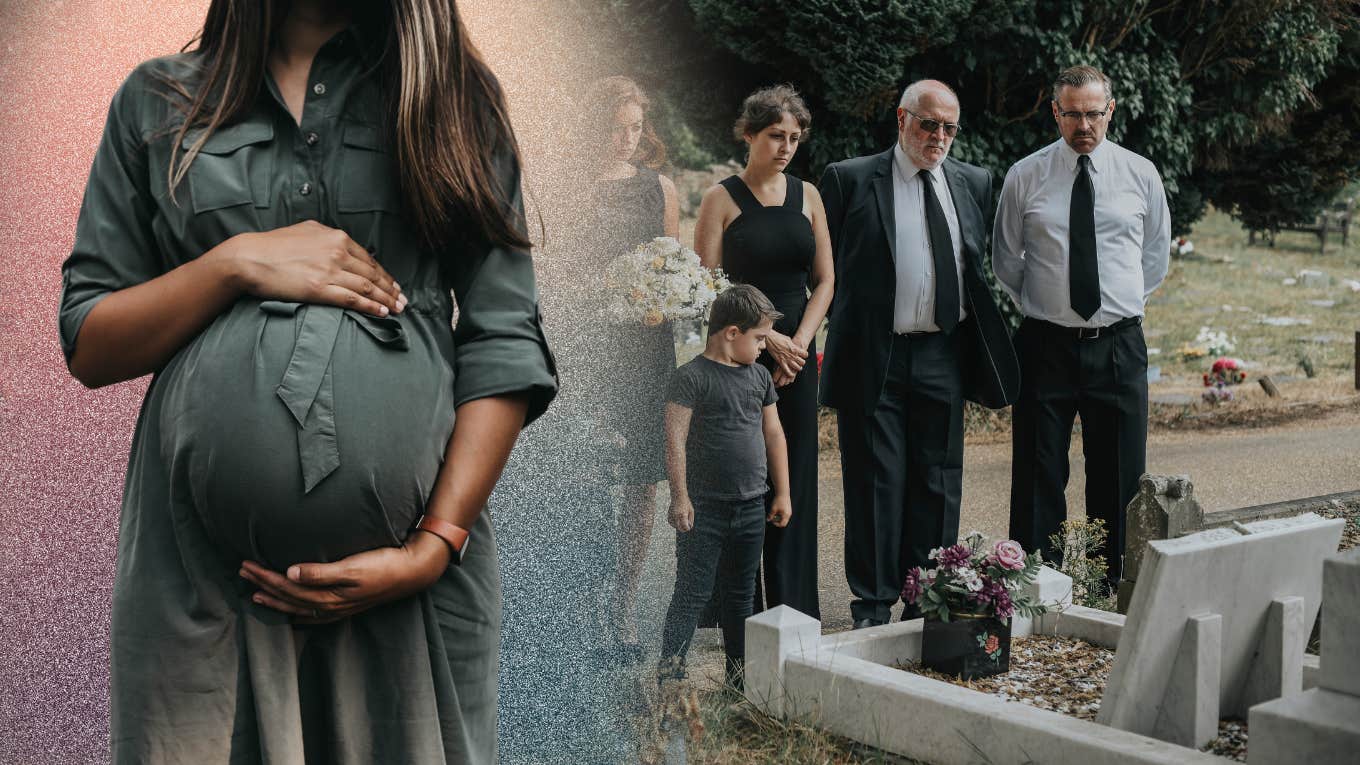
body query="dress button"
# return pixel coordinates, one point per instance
(312, 138)
(305, 189)
(319, 88)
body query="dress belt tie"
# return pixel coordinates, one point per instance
(307, 388)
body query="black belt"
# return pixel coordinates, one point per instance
(1087, 333)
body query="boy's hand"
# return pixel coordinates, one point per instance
(781, 509)
(681, 515)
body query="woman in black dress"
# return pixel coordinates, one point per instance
(768, 229)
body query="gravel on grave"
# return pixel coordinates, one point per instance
(1068, 676)
(1350, 513)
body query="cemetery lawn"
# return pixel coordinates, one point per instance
(1230, 286)
(736, 733)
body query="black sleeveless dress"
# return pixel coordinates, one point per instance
(772, 249)
(637, 360)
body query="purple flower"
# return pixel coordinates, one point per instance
(1002, 604)
(954, 557)
(911, 588)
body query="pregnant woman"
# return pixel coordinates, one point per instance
(272, 226)
(768, 229)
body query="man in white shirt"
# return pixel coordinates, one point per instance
(913, 332)
(1082, 238)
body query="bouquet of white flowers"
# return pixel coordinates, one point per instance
(661, 280)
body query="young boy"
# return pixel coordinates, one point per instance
(722, 439)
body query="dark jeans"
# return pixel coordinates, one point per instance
(725, 542)
(1103, 379)
(902, 463)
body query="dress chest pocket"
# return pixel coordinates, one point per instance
(233, 167)
(367, 173)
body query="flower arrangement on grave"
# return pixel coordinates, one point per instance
(661, 281)
(968, 600)
(1208, 342)
(971, 579)
(1182, 246)
(1225, 371)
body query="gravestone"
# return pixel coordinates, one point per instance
(1311, 278)
(1320, 726)
(1218, 622)
(1165, 507)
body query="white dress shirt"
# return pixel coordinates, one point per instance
(1133, 233)
(914, 304)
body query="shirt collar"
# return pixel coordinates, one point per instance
(1099, 155)
(906, 169)
(365, 36)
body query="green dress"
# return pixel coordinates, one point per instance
(288, 432)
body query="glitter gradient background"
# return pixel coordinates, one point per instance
(63, 449)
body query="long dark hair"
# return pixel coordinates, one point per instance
(603, 99)
(446, 113)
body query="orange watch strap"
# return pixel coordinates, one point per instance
(456, 536)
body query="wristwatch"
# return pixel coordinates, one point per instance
(455, 536)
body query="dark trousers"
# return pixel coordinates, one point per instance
(1103, 379)
(724, 545)
(791, 552)
(902, 468)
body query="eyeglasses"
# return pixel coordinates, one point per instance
(1090, 116)
(951, 129)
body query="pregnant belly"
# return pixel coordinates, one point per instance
(307, 433)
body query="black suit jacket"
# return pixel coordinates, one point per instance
(858, 195)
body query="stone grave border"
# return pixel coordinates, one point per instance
(844, 683)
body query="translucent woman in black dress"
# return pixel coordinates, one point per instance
(575, 518)
(768, 229)
(631, 203)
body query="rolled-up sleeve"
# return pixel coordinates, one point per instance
(499, 345)
(114, 245)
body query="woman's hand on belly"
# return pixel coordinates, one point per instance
(310, 262)
(319, 593)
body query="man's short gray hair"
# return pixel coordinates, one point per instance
(911, 97)
(1080, 77)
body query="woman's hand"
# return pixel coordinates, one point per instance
(320, 593)
(310, 262)
(787, 354)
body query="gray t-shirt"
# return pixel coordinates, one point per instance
(725, 450)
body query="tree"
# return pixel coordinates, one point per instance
(1198, 85)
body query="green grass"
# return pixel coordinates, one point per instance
(1224, 271)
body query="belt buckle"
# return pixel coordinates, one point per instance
(1094, 333)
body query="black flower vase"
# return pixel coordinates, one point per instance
(966, 646)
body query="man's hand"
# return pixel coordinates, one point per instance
(781, 509)
(681, 515)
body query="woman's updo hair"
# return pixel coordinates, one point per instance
(767, 106)
(603, 99)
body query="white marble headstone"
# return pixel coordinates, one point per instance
(1227, 573)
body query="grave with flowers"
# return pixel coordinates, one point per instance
(1216, 629)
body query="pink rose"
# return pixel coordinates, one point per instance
(1010, 555)
(992, 644)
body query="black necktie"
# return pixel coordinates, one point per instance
(942, 247)
(1081, 231)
